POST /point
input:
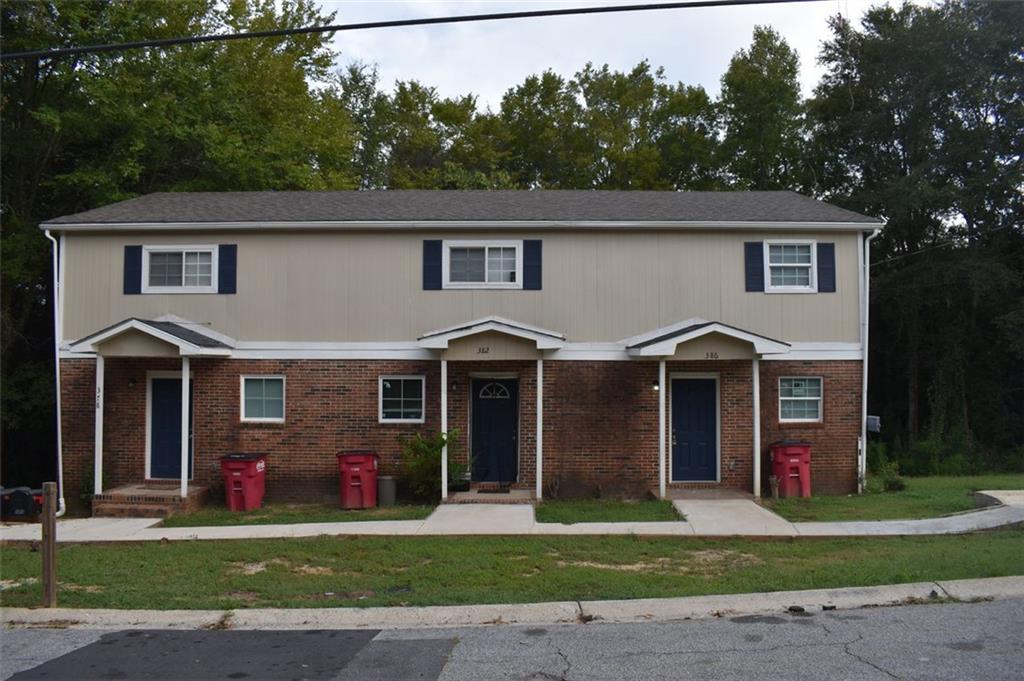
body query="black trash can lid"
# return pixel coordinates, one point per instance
(238, 456)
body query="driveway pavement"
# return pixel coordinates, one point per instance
(704, 517)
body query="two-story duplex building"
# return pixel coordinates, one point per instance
(627, 341)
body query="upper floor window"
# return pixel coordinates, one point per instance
(791, 266)
(483, 264)
(800, 399)
(179, 269)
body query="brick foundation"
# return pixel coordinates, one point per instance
(600, 421)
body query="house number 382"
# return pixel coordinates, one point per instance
(710, 355)
(483, 350)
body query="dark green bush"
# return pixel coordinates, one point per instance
(892, 481)
(421, 464)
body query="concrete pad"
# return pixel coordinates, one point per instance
(1008, 497)
(991, 587)
(728, 517)
(662, 609)
(479, 519)
(79, 529)
(379, 527)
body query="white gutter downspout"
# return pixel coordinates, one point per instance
(862, 462)
(58, 304)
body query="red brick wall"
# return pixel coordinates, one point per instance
(600, 420)
(834, 440)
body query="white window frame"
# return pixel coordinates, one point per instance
(446, 249)
(182, 248)
(401, 377)
(820, 398)
(241, 398)
(812, 287)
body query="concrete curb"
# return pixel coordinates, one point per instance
(566, 612)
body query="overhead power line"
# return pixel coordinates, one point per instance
(461, 19)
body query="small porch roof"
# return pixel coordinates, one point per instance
(189, 342)
(663, 342)
(544, 338)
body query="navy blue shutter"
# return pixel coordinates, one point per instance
(826, 268)
(753, 265)
(532, 264)
(132, 270)
(431, 265)
(227, 268)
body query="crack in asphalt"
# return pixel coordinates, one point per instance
(862, 660)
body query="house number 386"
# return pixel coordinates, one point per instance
(710, 355)
(483, 350)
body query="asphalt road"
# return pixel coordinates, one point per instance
(934, 642)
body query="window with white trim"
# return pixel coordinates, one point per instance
(790, 266)
(263, 399)
(179, 269)
(483, 264)
(800, 399)
(401, 399)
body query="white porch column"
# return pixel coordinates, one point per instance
(757, 426)
(540, 428)
(661, 430)
(97, 473)
(444, 428)
(186, 379)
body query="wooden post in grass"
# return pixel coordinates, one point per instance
(49, 545)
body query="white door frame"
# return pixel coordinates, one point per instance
(150, 375)
(682, 375)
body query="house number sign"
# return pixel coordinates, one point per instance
(710, 355)
(483, 350)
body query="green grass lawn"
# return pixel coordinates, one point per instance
(605, 511)
(365, 571)
(281, 514)
(923, 498)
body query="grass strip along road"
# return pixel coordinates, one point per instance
(365, 571)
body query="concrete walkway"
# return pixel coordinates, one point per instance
(703, 518)
(565, 612)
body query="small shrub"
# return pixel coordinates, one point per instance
(892, 481)
(878, 456)
(421, 464)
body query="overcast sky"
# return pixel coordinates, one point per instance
(693, 45)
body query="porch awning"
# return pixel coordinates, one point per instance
(663, 342)
(544, 339)
(149, 338)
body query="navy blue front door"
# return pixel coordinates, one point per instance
(165, 429)
(494, 429)
(694, 429)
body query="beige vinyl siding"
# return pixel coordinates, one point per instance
(367, 286)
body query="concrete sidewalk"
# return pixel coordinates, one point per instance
(565, 612)
(703, 518)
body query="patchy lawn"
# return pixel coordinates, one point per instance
(388, 571)
(605, 511)
(923, 498)
(283, 514)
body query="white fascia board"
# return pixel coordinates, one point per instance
(668, 346)
(457, 225)
(134, 324)
(543, 340)
(495, 319)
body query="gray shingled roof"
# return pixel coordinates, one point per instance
(177, 330)
(436, 205)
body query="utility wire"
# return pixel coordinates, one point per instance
(458, 19)
(942, 244)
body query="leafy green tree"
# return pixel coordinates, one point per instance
(762, 115)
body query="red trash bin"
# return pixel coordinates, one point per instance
(244, 481)
(357, 479)
(791, 465)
